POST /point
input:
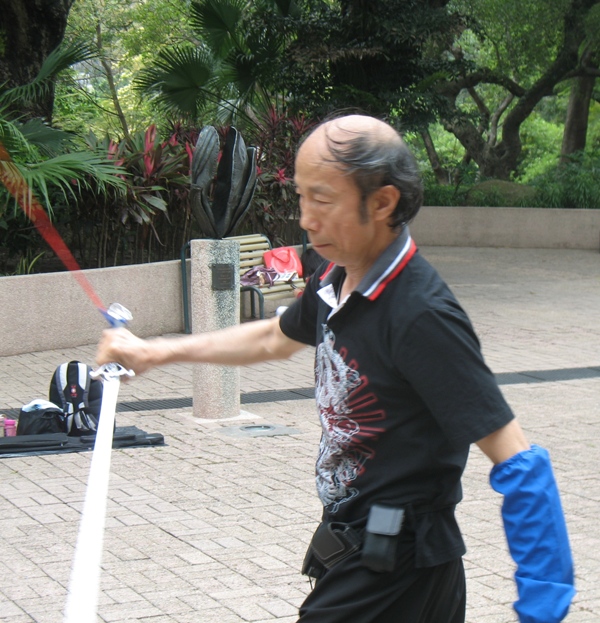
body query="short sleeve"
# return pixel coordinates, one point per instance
(441, 358)
(299, 321)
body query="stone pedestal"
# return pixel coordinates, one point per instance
(215, 302)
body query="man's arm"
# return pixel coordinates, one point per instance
(534, 525)
(238, 345)
(504, 443)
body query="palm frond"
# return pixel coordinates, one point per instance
(218, 21)
(181, 78)
(59, 59)
(13, 140)
(32, 140)
(68, 172)
(287, 8)
(48, 140)
(239, 71)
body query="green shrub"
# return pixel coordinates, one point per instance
(572, 184)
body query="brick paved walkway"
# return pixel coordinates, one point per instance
(212, 527)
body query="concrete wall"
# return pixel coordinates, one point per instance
(50, 311)
(520, 228)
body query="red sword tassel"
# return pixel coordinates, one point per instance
(16, 185)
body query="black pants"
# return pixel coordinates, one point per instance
(351, 593)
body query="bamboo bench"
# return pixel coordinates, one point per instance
(252, 248)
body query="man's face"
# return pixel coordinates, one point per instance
(330, 205)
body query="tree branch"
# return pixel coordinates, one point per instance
(495, 119)
(111, 84)
(481, 76)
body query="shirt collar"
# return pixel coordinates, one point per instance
(386, 267)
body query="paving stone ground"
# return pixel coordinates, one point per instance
(212, 527)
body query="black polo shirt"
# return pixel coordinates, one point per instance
(402, 391)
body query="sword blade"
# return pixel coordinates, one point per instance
(82, 599)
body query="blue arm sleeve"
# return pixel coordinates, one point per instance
(537, 536)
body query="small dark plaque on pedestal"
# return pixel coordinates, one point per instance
(223, 277)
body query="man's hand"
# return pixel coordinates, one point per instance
(121, 346)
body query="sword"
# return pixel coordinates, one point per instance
(82, 597)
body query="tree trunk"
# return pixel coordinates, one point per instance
(441, 175)
(29, 31)
(578, 110)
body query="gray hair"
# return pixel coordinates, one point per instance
(372, 162)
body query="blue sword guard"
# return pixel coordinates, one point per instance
(117, 315)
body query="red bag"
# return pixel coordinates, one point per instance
(283, 260)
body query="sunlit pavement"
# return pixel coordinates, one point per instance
(212, 527)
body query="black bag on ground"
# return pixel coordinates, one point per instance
(79, 395)
(40, 417)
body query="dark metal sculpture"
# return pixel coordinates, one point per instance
(220, 203)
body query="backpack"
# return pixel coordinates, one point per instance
(79, 395)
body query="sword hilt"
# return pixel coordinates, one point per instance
(117, 315)
(111, 371)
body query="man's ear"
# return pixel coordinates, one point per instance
(385, 200)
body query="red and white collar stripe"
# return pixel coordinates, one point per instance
(387, 266)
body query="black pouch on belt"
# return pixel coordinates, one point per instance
(381, 538)
(331, 543)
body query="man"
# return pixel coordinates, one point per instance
(402, 391)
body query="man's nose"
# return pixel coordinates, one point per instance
(308, 222)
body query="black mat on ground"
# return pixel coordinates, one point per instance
(57, 443)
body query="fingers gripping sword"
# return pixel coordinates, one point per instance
(82, 598)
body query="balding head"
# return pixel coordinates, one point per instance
(374, 155)
(346, 128)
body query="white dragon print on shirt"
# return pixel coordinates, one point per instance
(341, 402)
